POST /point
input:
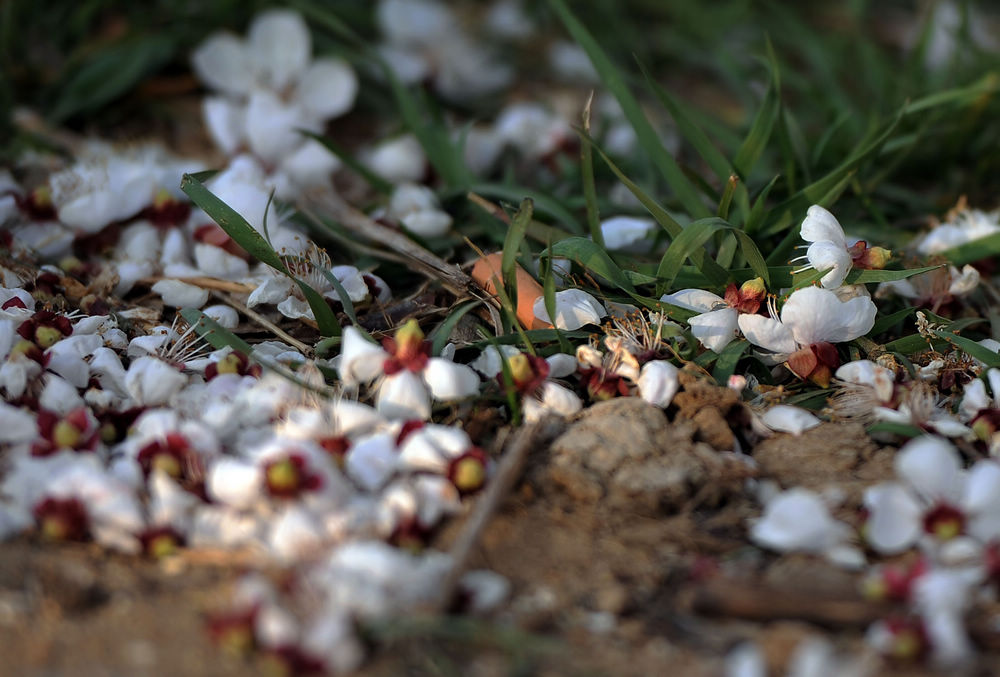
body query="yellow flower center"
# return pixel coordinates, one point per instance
(469, 474)
(65, 435)
(46, 337)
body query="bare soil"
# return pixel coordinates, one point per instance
(625, 543)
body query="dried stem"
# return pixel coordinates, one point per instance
(304, 348)
(508, 472)
(450, 275)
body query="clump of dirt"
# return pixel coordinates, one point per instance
(625, 545)
(831, 455)
(626, 453)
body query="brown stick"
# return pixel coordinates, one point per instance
(204, 283)
(303, 348)
(525, 439)
(741, 599)
(451, 276)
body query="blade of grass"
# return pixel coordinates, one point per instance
(587, 173)
(254, 243)
(440, 334)
(648, 138)
(511, 245)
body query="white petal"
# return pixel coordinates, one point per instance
(490, 361)
(295, 308)
(626, 232)
(449, 381)
(574, 309)
(181, 294)
(658, 382)
(823, 255)
(895, 518)
(797, 520)
(59, 395)
(234, 482)
(310, 165)
(226, 123)
(223, 63)
(280, 46)
(409, 198)
(815, 314)
(152, 382)
(360, 359)
(866, 372)
(559, 400)
(16, 425)
(428, 223)
(963, 283)
(403, 396)
(974, 399)
(788, 419)
(715, 329)
(819, 225)
(694, 299)
(561, 365)
(327, 89)
(399, 159)
(353, 282)
(767, 333)
(295, 534)
(982, 500)
(931, 466)
(274, 290)
(271, 126)
(372, 461)
(217, 262)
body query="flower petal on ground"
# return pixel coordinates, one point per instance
(767, 333)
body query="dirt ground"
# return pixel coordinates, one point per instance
(625, 544)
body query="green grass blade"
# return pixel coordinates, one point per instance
(763, 124)
(690, 130)
(685, 191)
(441, 333)
(587, 174)
(593, 257)
(725, 365)
(976, 250)
(254, 243)
(511, 245)
(973, 349)
(213, 332)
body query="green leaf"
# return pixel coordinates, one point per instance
(440, 335)
(213, 332)
(976, 250)
(254, 243)
(587, 176)
(648, 138)
(694, 236)
(662, 217)
(858, 276)
(901, 429)
(973, 349)
(760, 131)
(887, 322)
(511, 245)
(345, 298)
(730, 356)
(592, 257)
(543, 204)
(110, 73)
(690, 130)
